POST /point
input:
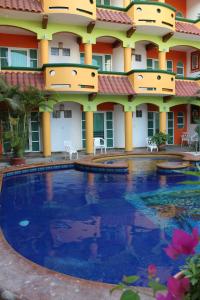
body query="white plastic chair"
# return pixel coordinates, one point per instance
(194, 140)
(151, 145)
(69, 149)
(99, 143)
(185, 138)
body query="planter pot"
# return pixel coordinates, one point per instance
(161, 147)
(14, 161)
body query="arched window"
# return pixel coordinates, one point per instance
(180, 69)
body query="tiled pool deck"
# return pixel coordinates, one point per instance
(22, 279)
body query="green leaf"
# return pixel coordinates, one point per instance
(130, 295)
(156, 286)
(120, 286)
(130, 279)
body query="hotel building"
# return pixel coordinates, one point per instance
(118, 69)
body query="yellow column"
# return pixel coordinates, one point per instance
(127, 59)
(163, 122)
(126, 3)
(46, 133)
(88, 54)
(128, 131)
(89, 127)
(44, 52)
(162, 60)
(162, 1)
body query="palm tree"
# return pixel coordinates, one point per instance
(19, 104)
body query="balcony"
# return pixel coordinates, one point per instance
(153, 14)
(84, 8)
(153, 82)
(71, 78)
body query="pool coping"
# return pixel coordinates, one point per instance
(32, 281)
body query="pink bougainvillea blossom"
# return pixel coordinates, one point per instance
(152, 270)
(183, 243)
(168, 296)
(178, 287)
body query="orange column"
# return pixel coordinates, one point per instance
(162, 60)
(128, 131)
(44, 52)
(46, 133)
(163, 122)
(126, 3)
(89, 128)
(88, 54)
(127, 59)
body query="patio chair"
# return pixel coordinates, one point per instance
(70, 150)
(99, 143)
(194, 141)
(185, 139)
(151, 145)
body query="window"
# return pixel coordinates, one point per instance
(55, 51)
(181, 121)
(19, 58)
(152, 64)
(138, 57)
(33, 58)
(56, 114)
(195, 61)
(66, 52)
(169, 65)
(103, 62)
(180, 69)
(67, 114)
(107, 64)
(103, 2)
(3, 57)
(138, 113)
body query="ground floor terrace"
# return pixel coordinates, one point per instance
(121, 126)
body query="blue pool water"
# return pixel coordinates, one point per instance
(99, 226)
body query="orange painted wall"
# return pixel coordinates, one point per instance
(152, 107)
(21, 41)
(105, 107)
(173, 55)
(180, 5)
(102, 48)
(178, 131)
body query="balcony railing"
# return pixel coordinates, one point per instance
(85, 8)
(71, 78)
(153, 82)
(150, 13)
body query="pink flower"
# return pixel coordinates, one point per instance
(182, 243)
(152, 270)
(178, 287)
(168, 296)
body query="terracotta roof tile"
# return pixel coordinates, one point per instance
(24, 79)
(113, 16)
(189, 28)
(186, 88)
(22, 5)
(115, 85)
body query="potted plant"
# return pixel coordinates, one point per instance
(160, 140)
(19, 105)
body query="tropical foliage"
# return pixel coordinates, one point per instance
(19, 105)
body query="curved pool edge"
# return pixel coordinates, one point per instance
(26, 280)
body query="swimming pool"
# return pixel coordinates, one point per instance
(99, 226)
